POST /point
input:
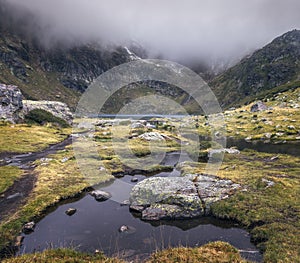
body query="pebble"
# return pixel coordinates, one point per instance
(71, 211)
(134, 179)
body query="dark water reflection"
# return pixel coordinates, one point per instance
(96, 225)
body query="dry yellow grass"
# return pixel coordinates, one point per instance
(22, 138)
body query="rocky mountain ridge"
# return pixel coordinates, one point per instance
(267, 68)
(63, 72)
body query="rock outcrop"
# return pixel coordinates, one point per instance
(58, 109)
(13, 108)
(10, 103)
(213, 152)
(258, 106)
(153, 136)
(274, 65)
(179, 197)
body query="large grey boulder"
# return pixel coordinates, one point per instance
(10, 103)
(179, 197)
(167, 198)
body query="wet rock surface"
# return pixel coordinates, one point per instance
(28, 227)
(127, 229)
(100, 196)
(71, 211)
(179, 197)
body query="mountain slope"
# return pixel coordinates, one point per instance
(56, 74)
(275, 64)
(61, 72)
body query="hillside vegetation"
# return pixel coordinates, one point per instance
(272, 66)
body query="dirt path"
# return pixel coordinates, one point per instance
(17, 194)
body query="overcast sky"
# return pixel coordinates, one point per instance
(177, 29)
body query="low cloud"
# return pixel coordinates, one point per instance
(181, 30)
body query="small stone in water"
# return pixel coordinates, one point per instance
(71, 211)
(134, 179)
(29, 227)
(127, 229)
(100, 195)
(125, 202)
(123, 228)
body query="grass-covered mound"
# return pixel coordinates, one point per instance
(62, 256)
(210, 253)
(268, 204)
(39, 116)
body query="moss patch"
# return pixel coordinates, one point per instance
(212, 252)
(268, 205)
(62, 256)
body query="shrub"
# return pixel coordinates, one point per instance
(41, 117)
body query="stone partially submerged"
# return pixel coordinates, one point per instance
(100, 196)
(178, 197)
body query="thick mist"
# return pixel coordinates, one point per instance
(174, 29)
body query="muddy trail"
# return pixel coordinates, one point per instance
(16, 195)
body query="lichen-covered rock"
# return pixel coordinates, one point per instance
(167, 198)
(212, 189)
(179, 197)
(57, 108)
(10, 103)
